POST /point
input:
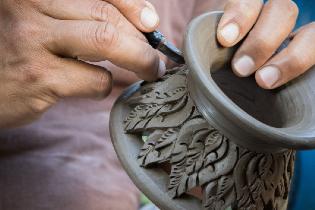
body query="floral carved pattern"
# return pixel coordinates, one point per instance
(201, 156)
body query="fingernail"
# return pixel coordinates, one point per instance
(269, 75)
(230, 32)
(244, 66)
(149, 18)
(162, 69)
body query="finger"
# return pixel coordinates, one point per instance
(139, 12)
(275, 23)
(291, 62)
(71, 78)
(90, 40)
(238, 18)
(89, 10)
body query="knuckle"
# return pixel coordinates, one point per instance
(30, 73)
(105, 35)
(102, 11)
(104, 86)
(150, 65)
(25, 30)
(39, 106)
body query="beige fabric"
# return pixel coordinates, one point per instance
(65, 160)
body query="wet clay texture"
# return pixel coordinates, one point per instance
(217, 132)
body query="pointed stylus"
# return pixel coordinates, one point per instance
(158, 41)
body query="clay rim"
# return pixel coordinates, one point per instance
(283, 137)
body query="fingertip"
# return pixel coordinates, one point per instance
(154, 67)
(109, 79)
(268, 77)
(238, 18)
(104, 83)
(149, 18)
(162, 69)
(158, 73)
(259, 81)
(141, 13)
(229, 34)
(150, 68)
(243, 66)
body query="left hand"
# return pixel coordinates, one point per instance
(267, 26)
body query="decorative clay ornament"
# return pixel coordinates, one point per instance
(202, 127)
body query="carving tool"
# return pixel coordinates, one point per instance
(158, 41)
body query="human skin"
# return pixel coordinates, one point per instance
(43, 43)
(266, 27)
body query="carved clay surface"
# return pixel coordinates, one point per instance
(201, 156)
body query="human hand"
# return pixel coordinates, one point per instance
(267, 26)
(41, 40)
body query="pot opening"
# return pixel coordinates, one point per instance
(277, 108)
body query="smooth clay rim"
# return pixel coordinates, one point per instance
(223, 113)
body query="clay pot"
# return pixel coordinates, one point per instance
(261, 120)
(255, 130)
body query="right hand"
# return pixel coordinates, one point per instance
(42, 40)
(265, 26)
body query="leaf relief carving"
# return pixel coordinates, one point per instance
(199, 155)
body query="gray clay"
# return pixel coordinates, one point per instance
(216, 132)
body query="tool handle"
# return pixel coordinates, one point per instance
(154, 38)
